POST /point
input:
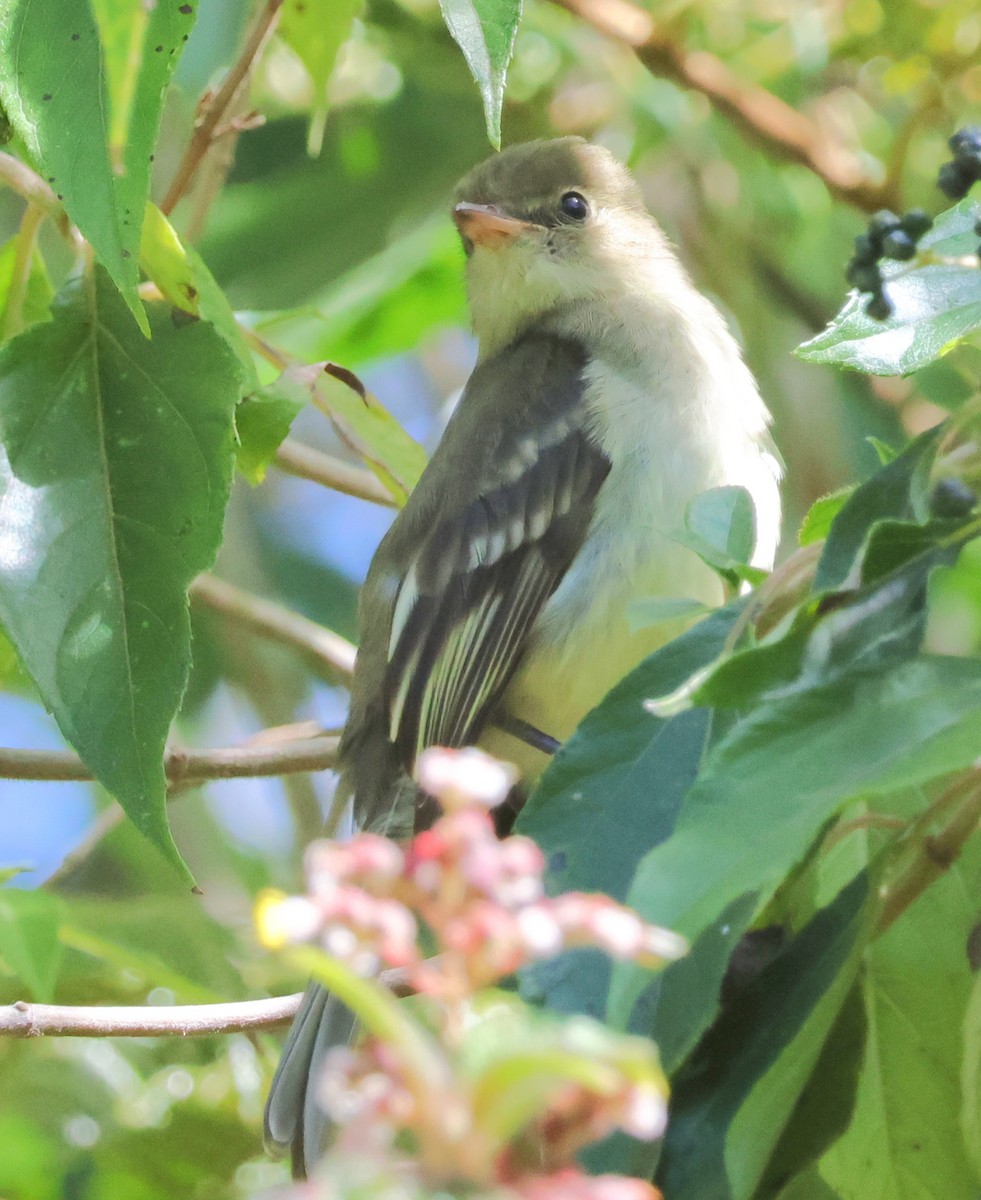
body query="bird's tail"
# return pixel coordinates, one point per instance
(294, 1120)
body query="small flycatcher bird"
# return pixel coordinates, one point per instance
(607, 394)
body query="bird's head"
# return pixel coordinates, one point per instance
(548, 224)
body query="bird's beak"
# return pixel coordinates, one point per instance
(483, 225)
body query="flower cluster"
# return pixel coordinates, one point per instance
(461, 1088)
(481, 897)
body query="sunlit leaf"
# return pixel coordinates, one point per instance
(53, 87)
(906, 1137)
(117, 464)
(934, 306)
(25, 289)
(165, 261)
(361, 422)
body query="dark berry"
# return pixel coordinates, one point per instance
(879, 307)
(954, 181)
(866, 251)
(898, 245)
(916, 222)
(951, 498)
(864, 276)
(966, 142)
(883, 222)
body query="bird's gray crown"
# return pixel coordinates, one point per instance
(526, 180)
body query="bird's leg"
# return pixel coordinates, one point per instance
(524, 732)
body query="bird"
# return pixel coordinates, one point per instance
(607, 393)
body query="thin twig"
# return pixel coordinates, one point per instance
(107, 820)
(307, 463)
(23, 1020)
(328, 651)
(215, 106)
(27, 183)
(760, 116)
(13, 312)
(924, 856)
(183, 766)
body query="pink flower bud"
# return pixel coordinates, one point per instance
(459, 777)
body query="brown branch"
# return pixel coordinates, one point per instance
(328, 651)
(28, 184)
(925, 856)
(253, 761)
(31, 187)
(23, 1020)
(306, 463)
(763, 118)
(215, 105)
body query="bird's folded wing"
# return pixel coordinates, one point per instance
(475, 586)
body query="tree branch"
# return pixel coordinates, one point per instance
(214, 105)
(764, 119)
(252, 761)
(297, 459)
(925, 856)
(23, 1020)
(328, 651)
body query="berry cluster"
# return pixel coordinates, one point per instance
(888, 236)
(958, 176)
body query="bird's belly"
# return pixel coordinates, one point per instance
(586, 640)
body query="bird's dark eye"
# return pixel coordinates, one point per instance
(574, 206)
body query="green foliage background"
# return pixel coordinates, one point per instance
(806, 757)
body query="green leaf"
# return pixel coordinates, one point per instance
(655, 610)
(29, 943)
(720, 526)
(905, 1139)
(825, 1106)
(611, 793)
(345, 199)
(360, 421)
(934, 307)
(141, 47)
(315, 30)
(386, 306)
(820, 516)
(731, 1103)
(184, 279)
(946, 383)
(117, 465)
(25, 288)
(883, 451)
(485, 31)
(165, 261)
(215, 308)
(262, 420)
(53, 89)
(765, 792)
(894, 491)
